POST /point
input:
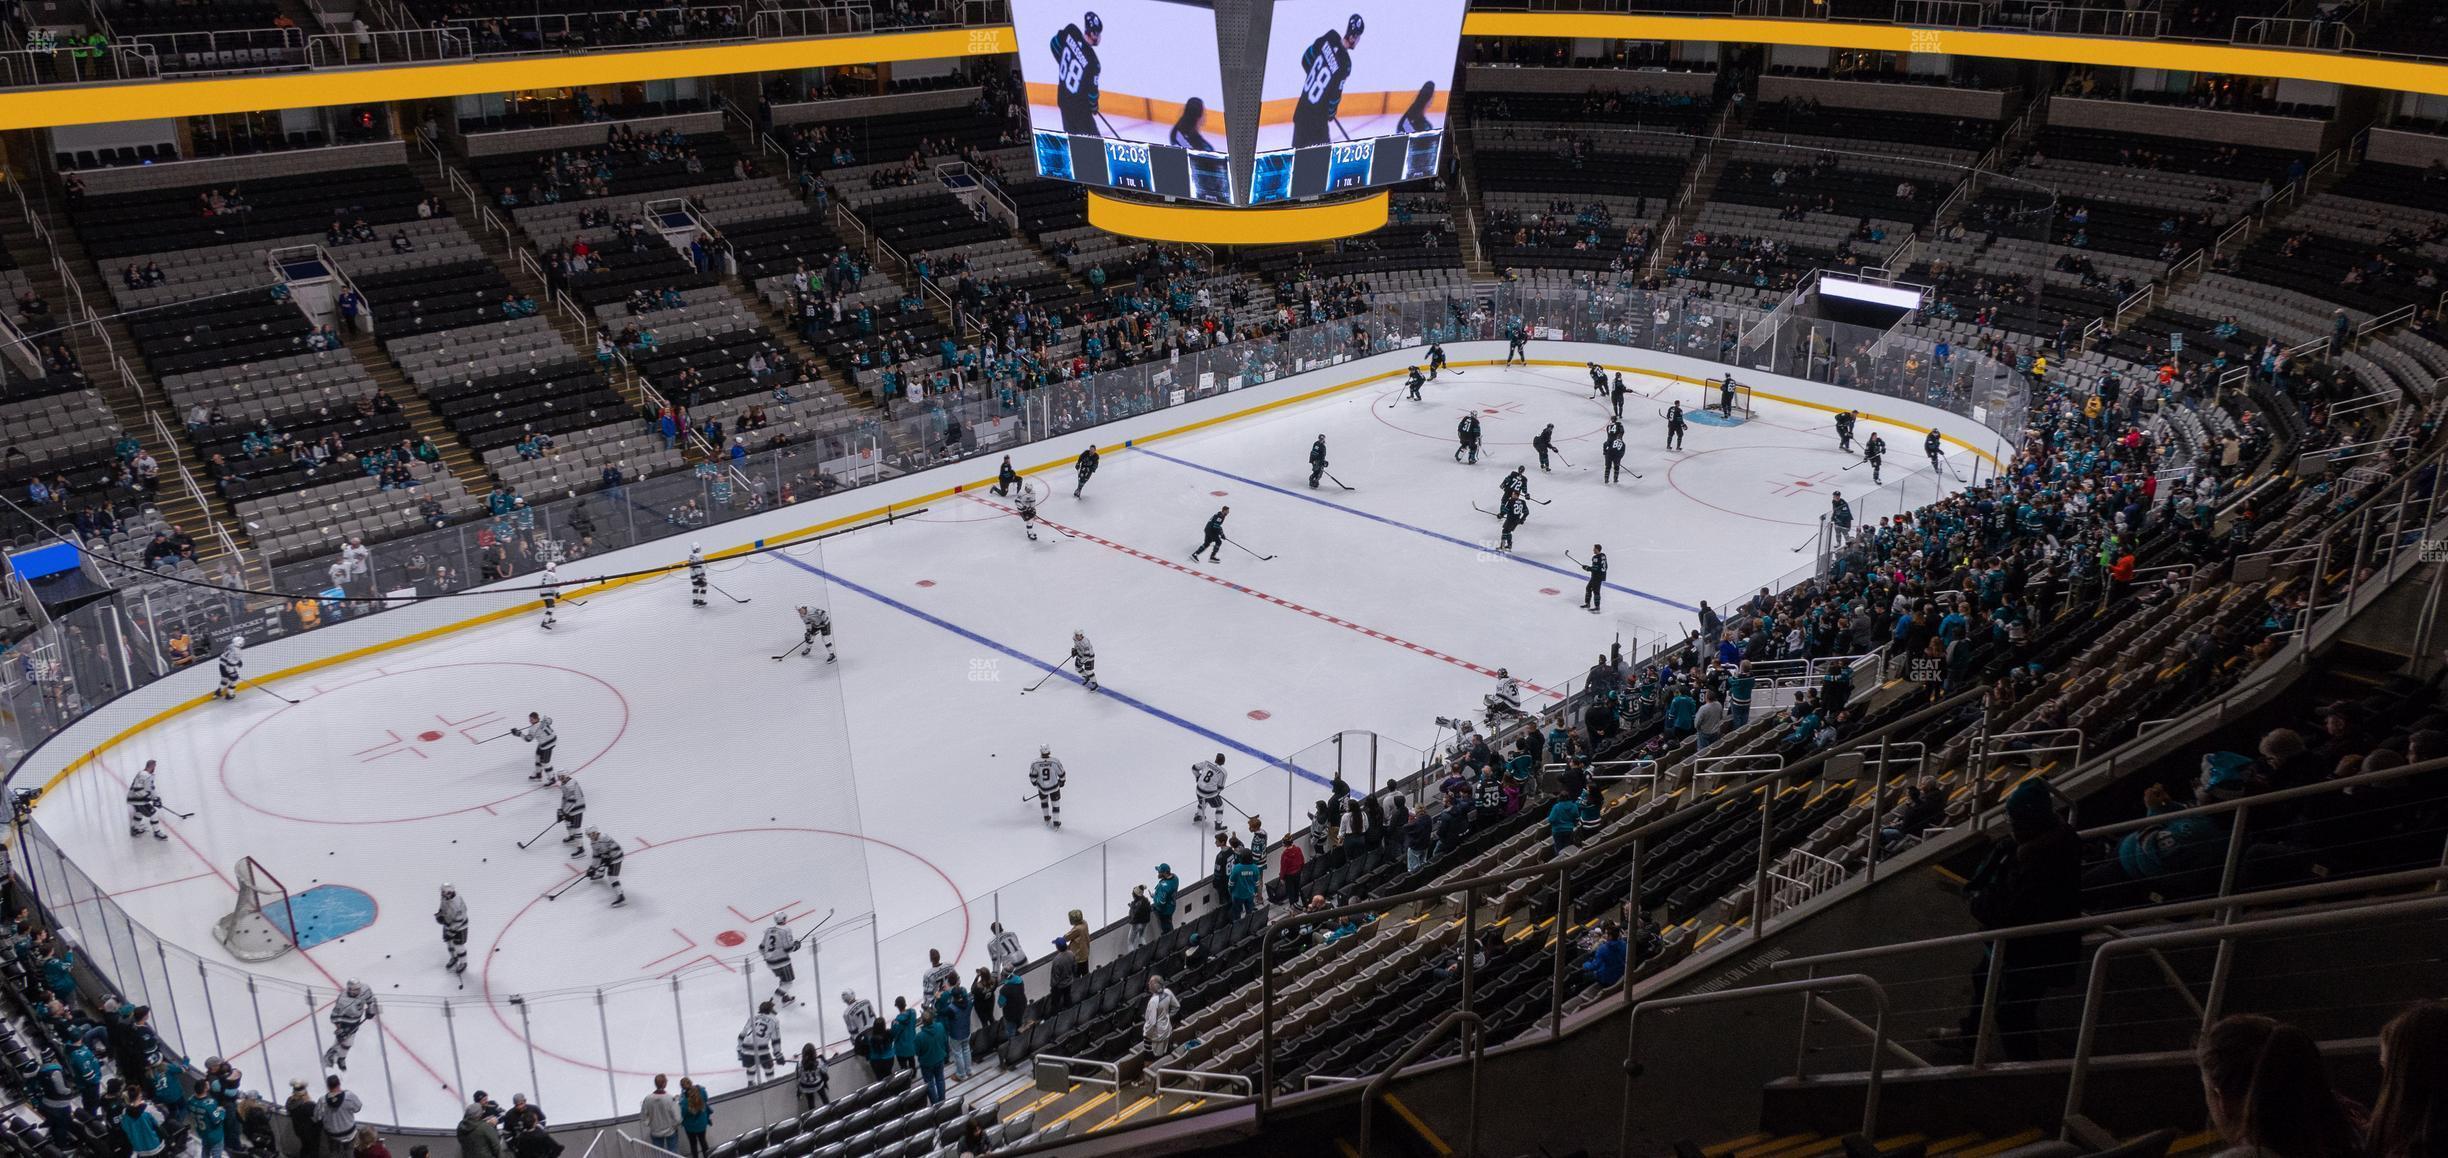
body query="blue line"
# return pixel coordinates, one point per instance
(1056, 669)
(1576, 576)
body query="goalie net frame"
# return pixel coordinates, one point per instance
(248, 931)
(1743, 407)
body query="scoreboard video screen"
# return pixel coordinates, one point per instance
(1130, 94)
(1355, 94)
(1126, 94)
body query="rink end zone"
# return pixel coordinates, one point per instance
(885, 512)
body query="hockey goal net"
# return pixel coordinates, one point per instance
(1712, 399)
(260, 927)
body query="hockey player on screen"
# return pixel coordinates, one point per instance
(1415, 118)
(143, 800)
(776, 947)
(1207, 780)
(1675, 426)
(1317, 460)
(1325, 65)
(1466, 436)
(539, 729)
(452, 915)
(817, 624)
(1415, 383)
(697, 575)
(349, 1012)
(1083, 658)
(232, 661)
(1874, 452)
(1076, 72)
(1186, 134)
(1046, 776)
(1027, 504)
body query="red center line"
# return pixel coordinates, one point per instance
(1277, 600)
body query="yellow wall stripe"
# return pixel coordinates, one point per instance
(99, 104)
(1224, 225)
(2363, 71)
(176, 97)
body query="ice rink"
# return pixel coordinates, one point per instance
(889, 789)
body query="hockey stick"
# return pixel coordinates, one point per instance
(1260, 558)
(1338, 124)
(725, 594)
(1806, 542)
(786, 651)
(1560, 457)
(273, 694)
(565, 887)
(177, 813)
(1483, 510)
(1048, 675)
(530, 841)
(1855, 463)
(1109, 125)
(1339, 482)
(503, 736)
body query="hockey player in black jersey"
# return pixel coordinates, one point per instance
(1875, 453)
(1931, 446)
(1076, 73)
(1317, 460)
(1516, 511)
(1213, 544)
(1844, 428)
(1086, 466)
(1674, 426)
(1325, 65)
(1466, 433)
(1415, 383)
(1544, 444)
(1006, 478)
(1436, 359)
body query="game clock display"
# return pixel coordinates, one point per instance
(1159, 169)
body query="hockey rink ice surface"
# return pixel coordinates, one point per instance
(889, 789)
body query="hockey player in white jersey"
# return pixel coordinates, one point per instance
(819, 625)
(1027, 501)
(452, 916)
(1004, 951)
(858, 1015)
(1207, 778)
(760, 1043)
(1047, 775)
(539, 731)
(606, 864)
(1505, 701)
(143, 801)
(572, 813)
(697, 575)
(548, 588)
(1083, 656)
(776, 948)
(351, 1010)
(231, 662)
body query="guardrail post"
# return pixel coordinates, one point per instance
(2224, 963)
(1878, 803)
(1563, 945)
(1759, 879)
(1985, 1035)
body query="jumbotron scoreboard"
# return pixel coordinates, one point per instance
(1235, 104)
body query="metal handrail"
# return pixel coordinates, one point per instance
(2274, 796)
(2087, 1038)
(1249, 1088)
(1809, 986)
(1561, 869)
(1113, 1070)
(2291, 894)
(1476, 1034)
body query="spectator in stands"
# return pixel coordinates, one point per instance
(1076, 939)
(1606, 962)
(2034, 877)
(2410, 1117)
(401, 242)
(1563, 825)
(904, 1035)
(1161, 903)
(336, 1113)
(1011, 995)
(2269, 1093)
(2182, 855)
(140, 1123)
(659, 1116)
(1142, 915)
(368, 1145)
(1924, 809)
(953, 1011)
(1156, 1018)
(696, 1116)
